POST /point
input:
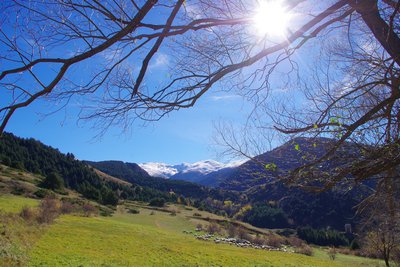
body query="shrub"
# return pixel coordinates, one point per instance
(49, 209)
(354, 245)
(259, 240)
(275, 241)
(89, 210)
(173, 212)
(243, 234)
(42, 193)
(305, 250)
(213, 228)
(396, 256)
(68, 207)
(6, 161)
(157, 202)
(332, 253)
(295, 241)
(27, 213)
(196, 214)
(17, 190)
(106, 212)
(133, 211)
(232, 230)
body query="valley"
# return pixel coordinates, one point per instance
(66, 212)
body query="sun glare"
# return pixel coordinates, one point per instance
(271, 18)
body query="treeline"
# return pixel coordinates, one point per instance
(266, 216)
(33, 156)
(322, 237)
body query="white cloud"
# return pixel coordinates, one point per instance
(224, 97)
(161, 60)
(112, 54)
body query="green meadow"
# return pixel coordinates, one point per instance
(12, 203)
(150, 238)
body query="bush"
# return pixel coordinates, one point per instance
(133, 211)
(6, 161)
(243, 234)
(196, 214)
(332, 253)
(213, 228)
(42, 193)
(68, 207)
(232, 230)
(259, 240)
(157, 202)
(295, 241)
(49, 209)
(305, 250)
(275, 241)
(396, 256)
(17, 190)
(354, 245)
(89, 210)
(27, 213)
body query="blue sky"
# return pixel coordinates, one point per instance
(183, 136)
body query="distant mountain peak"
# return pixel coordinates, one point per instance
(204, 167)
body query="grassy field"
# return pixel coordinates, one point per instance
(154, 240)
(150, 238)
(75, 241)
(12, 203)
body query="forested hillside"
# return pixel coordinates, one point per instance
(262, 181)
(33, 156)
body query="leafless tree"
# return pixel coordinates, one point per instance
(381, 227)
(47, 45)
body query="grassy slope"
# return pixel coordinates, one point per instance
(126, 239)
(14, 204)
(153, 240)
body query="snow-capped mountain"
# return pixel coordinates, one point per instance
(186, 171)
(158, 169)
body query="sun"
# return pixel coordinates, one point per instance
(271, 18)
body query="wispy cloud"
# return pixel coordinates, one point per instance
(224, 97)
(161, 60)
(112, 54)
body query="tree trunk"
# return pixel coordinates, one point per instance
(368, 9)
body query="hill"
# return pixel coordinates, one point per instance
(259, 180)
(42, 160)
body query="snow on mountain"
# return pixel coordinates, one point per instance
(203, 167)
(158, 169)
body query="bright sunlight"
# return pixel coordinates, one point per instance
(271, 18)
